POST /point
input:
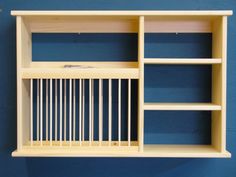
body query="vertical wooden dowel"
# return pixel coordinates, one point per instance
(80, 110)
(92, 107)
(60, 112)
(83, 102)
(74, 111)
(38, 109)
(110, 113)
(119, 112)
(46, 109)
(50, 112)
(64, 109)
(41, 112)
(129, 117)
(70, 109)
(90, 112)
(56, 109)
(100, 111)
(31, 112)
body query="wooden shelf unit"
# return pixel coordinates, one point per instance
(31, 74)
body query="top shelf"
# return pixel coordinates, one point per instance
(122, 13)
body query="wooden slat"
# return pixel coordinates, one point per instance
(182, 60)
(38, 107)
(51, 110)
(129, 112)
(90, 112)
(119, 112)
(91, 73)
(31, 111)
(110, 111)
(65, 109)
(100, 111)
(80, 110)
(56, 118)
(46, 109)
(74, 109)
(83, 109)
(182, 106)
(61, 112)
(70, 110)
(41, 111)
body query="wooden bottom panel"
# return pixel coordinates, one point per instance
(185, 151)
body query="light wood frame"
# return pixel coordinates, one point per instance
(29, 22)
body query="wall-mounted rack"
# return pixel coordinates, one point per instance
(48, 94)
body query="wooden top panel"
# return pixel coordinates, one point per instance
(122, 13)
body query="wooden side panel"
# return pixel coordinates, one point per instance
(23, 87)
(219, 83)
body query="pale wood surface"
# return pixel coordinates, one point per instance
(118, 21)
(187, 151)
(182, 61)
(182, 106)
(125, 13)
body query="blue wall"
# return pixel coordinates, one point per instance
(139, 167)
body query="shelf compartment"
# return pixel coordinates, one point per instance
(182, 106)
(182, 61)
(74, 73)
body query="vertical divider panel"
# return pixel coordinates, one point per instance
(141, 83)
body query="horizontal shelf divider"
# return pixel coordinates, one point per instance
(83, 73)
(182, 106)
(182, 60)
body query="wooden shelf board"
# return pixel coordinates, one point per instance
(182, 106)
(83, 73)
(185, 151)
(126, 13)
(182, 61)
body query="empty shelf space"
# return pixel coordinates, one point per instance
(183, 151)
(182, 106)
(182, 60)
(70, 73)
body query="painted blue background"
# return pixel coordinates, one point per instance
(17, 167)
